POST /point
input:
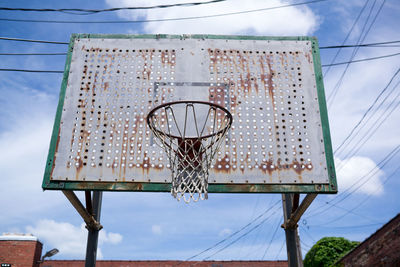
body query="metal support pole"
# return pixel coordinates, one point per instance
(292, 236)
(86, 216)
(93, 232)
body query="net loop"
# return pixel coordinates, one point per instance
(190, 132)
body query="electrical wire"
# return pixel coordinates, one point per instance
(257, 235)
(347, 227)
(232, 235)
(360, 40)
(280, 250)
(64, 54)
(373, 171)
(95, 11)
(321, 47)
(37, 71)
(243, 235)
(33, 54)
(375, 125)
(360, 60)
(272, 238)
(379, 44)
(363, 201)
(31, 41)
(337, 150)
(308, 234)
(345, 39)
(160, 20)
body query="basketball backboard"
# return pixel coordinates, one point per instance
(279, 141)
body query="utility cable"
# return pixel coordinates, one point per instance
(280, 250)
(31, 41)
(37, 71)
(233, 234)
(243, 235)
(363, 201)
(345, 39)
(95, 11)
(359, 45)
(33, 54)
(347, 227)
(360, 60)
(337, 150)
(381, 164)
(375, 125)
(272, 238)
(160, 20)
(360, 40)
(321, 47)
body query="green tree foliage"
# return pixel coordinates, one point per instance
(327, 251)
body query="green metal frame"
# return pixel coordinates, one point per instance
(49, 184)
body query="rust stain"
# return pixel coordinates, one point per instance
(85, 68)
(225, 165)
(124, 147)
(106, 85)
(233, 100)
(266, 167)
(269, 77)
(308, 57)
(55, 152)
(146, 163)
(78, 169)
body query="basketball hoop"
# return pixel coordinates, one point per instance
(190, 132)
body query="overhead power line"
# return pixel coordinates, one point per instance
(363, 201)
(392, 106)
(360, 60)
(39, 71)
(357, 184)
(94, 11)
(243, 235)
(33, 54)
(167, 19)
(321, 47)
(366, 112)
(324, 65)
(347, 227)
(347, 36)
(231, 235)
(272, 239)
(31, 41)
(64, 54)
(359, 45)
(364, 32)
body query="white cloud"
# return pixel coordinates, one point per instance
(24, 142)
(351, 170)
(298, 20)
(69, 239)
(156, 229)
(225, 232)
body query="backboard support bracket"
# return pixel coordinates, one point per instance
(297, 212)
(88, 218)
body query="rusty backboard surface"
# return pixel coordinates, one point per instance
(279, 135)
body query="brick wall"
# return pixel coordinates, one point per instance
(380, 249)
(103, 263)
(20, 253)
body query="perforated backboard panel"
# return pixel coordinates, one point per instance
(279, 140)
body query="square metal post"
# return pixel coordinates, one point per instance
(93, 232)
(292, 236)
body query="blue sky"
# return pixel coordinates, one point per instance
(156, 226)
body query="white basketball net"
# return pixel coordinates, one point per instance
(190, 155)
